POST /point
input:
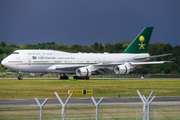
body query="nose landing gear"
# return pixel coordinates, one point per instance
(20, 77)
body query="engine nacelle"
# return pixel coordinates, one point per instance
(84, 71)
(122, 69)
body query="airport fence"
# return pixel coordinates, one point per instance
(96, 111)
(118, 112)
(54, 75)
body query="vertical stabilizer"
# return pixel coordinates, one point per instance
(140, 43)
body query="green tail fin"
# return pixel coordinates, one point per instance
(140, 43)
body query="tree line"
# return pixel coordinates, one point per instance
(117, 47)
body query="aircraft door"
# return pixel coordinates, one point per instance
(42, 67)
(99, 60)
(29, 61)
(41, 53)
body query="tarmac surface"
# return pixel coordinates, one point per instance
(88, 101)
(94, 79)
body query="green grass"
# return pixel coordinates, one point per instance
(120, 112)
(16, 89)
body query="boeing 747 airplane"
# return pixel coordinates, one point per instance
(83, 65)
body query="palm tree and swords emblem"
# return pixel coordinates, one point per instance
(141, 39)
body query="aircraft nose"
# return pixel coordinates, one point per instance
(4, 63)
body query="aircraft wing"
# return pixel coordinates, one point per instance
(67, 68)
(131, 63)
(101, 66)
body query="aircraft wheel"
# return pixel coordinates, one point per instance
(20, 77)
(81, 78)
(64, 77)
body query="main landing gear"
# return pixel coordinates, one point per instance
(81, 78)
(64, 77)
(20, 77)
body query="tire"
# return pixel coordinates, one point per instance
(64, 78)
(20, 77)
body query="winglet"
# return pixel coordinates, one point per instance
(140, 43)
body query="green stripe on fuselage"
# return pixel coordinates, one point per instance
(54, 63)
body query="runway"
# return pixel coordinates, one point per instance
(88, 101)
(93, 79)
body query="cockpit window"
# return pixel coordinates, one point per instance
(15, 53)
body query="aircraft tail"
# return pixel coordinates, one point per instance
(140, 43)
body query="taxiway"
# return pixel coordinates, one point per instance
(88, 101)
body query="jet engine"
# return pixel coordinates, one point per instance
(84, 71)
(122, 69)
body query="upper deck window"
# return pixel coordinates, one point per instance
(15, 53)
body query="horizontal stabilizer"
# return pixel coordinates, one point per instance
(144, 63)
(154, 56)
(174, 59)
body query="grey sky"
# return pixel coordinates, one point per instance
(88, 21)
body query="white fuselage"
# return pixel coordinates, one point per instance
(46, 61)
